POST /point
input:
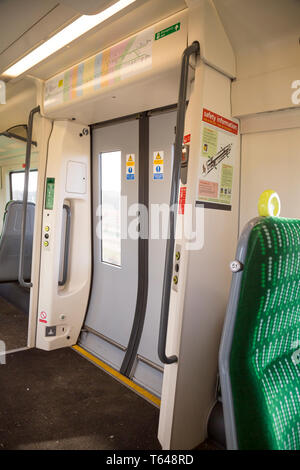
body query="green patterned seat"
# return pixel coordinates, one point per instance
(259, 357)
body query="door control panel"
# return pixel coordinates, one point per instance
(46, 236)
(176, 268)
(49, 203)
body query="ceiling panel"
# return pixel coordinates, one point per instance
(16, 17)
(138, 16)
(22, 30)
(88, 7)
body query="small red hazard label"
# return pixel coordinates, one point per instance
(187, 139)
(182, 200)
(43, 317)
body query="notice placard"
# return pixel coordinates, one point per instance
(218, 148)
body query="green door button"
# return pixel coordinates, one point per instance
(49, 202)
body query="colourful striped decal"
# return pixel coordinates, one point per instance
(121, 61)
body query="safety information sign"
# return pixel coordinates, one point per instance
(218, 148)
(130, 166)
(158, 165)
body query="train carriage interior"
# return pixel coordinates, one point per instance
(150, 225)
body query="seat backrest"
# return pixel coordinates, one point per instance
(259, 360)
(11, 240)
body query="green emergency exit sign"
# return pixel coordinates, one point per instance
(50, 185)
(165, 32)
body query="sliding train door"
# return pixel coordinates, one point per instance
(115, 277)
(65, 259)
(149, 369)
(131, 182)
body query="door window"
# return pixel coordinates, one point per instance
(110, 181)
(17, 185)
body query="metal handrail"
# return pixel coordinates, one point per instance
(25, 198)
(67, 246)
(181, 111)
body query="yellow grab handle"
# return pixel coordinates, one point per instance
(269, 204)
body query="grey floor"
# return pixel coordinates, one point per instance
(13, 326)
(58, 400)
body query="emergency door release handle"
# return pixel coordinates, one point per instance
(181, 110)
(67, 246)
(21, 279)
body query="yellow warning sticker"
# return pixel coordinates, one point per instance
(158, 165)
(158, 158)
(130, 167)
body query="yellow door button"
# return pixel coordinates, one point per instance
(46, 243)
(47, 228)
(175, 280)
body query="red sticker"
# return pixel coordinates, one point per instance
(182, 200)
(43, 317)
(187, 139)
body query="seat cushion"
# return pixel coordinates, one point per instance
(264, 359)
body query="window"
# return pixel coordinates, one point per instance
(17, 185)
(110, 180)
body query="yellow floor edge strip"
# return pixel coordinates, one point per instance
(118, 376)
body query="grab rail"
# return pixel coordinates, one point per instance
(164, 318)
(67, 246)
(21, 279)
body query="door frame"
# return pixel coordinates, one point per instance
(43, 130)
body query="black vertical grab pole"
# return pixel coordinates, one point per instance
(143, 249)
(25, 198)
(181, 110)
